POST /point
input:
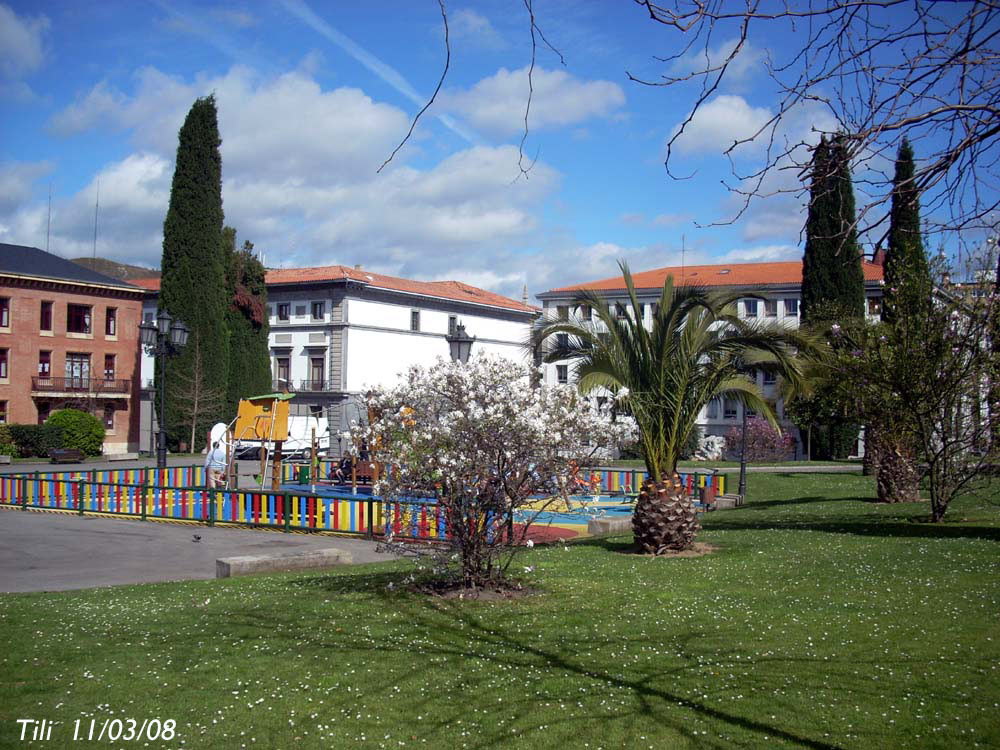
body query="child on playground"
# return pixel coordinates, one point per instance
(215, 465)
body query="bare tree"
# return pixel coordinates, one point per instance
(879, 69)
(198, 403)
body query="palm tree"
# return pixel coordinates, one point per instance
(695, 350)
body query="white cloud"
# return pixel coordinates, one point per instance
(466, 23)
(719, 123)
(760, 254)
(21, 43)
(672, 220)
(497, 103)
(16, 180)
(299, 181)
(741, 67)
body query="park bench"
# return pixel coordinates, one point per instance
(66, 456)
(364, 472)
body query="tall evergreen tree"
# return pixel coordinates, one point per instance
(833, 284)
(246, 317)
(907, 275)
(193, 278)
(832, 288)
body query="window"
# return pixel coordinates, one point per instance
(300, 311)
(562, 373)
(111, 322)
(281, 370)
(562, 340)
(109, 366)
(78, 318)
(109, 416)
(147, 317)
(771, 308)
(586, 313)
(791, 308)
(45, 320)
(316, 373)
(414, 320)
(43, 411)
(729, 408)
(4, 312)
(712, 411)
(562, 312)
(619, 310)
(770, 378)
(642, 310)
(3, 412)
(452, 325)
(654, 308)
(3, 364)
(44, 364)
(319, 310)
(875, 306)
(283, 310)
(750, 308)
(77, 372)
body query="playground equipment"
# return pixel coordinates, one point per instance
(259, 418)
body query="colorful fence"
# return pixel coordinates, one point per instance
(173, 476)
(290, 511)
(629, 481)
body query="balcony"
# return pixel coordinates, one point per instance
(41, 386)
(313, 385)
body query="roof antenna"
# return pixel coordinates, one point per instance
(97, 201)
(48, 220)
(683, 251)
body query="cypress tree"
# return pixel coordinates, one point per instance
(833, 284)
(249, 355)
(193, 280)
(907, 275)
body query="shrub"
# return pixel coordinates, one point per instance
(81, 430)
(7, 446)
(764, 443)
(35, 439)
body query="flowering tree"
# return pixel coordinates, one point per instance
(480, 441)
(763, 441)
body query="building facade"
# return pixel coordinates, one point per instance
(777, 296)
(336, 331)
(69, 337)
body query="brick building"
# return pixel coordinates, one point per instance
(69, 336)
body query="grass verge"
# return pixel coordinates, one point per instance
(823, 621)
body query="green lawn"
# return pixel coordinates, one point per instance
(630, 463)
(822, 621)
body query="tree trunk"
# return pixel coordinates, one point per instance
(898, 480)
(664, 519)
(870, 462)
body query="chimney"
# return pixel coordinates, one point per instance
(357, 266)
(878, 257)
(524, 295)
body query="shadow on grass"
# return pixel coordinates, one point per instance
(916, 528)
(448, 632)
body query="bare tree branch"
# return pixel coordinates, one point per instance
(531, 88)
(447, 63)
(881, 70)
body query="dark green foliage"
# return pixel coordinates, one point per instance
(831, 266)
(246, 317)
(692, 445)
(193, 271)
(833, 289)
(36, 439)
(80, 431)
(907, 276)
(7, 446)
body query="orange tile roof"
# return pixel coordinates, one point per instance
(452, 290)
(781, 273)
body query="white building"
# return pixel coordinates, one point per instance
(336, 331)
(778, 285)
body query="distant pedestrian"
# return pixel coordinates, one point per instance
(215, 465)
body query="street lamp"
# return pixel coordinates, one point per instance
(460, 344)
(161, 340)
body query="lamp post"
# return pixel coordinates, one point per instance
(460, 344)
(161, 340)
(743, 457)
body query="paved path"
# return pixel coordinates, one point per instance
(57, 552)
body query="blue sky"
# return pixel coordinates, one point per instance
(314, 96)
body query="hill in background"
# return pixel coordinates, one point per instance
(116, 270)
